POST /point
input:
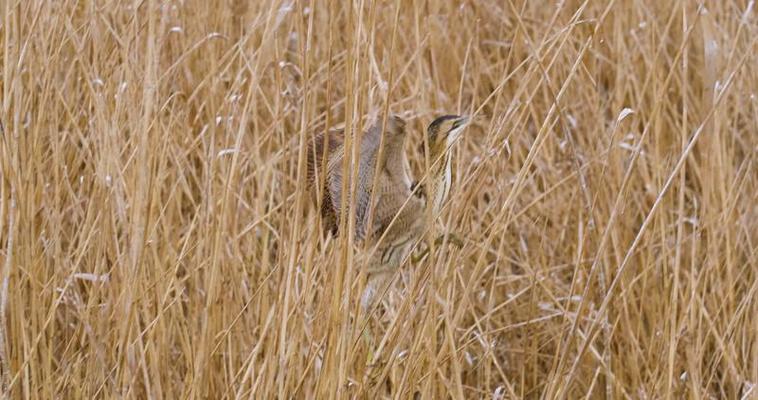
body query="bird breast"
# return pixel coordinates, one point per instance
(443, 186)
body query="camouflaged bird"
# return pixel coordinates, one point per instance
(392, 183)
(397, 217)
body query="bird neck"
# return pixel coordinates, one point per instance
(440, 180)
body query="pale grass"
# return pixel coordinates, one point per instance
(158, 239)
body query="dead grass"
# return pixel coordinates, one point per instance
(157, 240)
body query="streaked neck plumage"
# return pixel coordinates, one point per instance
(440, 180)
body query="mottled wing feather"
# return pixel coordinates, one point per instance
(334, 140)
(334, 181)
(390, 199)
(316, 169)
(369, 149)
(394, 198)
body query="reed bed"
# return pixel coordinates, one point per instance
(158, 238)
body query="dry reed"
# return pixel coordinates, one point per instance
(157, 239)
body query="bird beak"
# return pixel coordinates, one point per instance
(458, 127)
(460, 122)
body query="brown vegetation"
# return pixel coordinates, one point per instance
(157, 238)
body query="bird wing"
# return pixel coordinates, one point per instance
(393, 182)
(331, 141)
(334, 140)
(334, 181)
(369, 153)
(366, 165)
(363, 196)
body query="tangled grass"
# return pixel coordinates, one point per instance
(157, 239)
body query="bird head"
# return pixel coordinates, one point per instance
(444, 131)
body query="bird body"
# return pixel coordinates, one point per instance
(392, 183)
(397, 218)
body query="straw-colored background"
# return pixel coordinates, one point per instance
(157, 239)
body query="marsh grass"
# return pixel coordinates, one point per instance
(157, 239)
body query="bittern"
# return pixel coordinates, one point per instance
(392, 183)
(398, 219)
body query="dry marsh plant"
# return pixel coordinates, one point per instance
(158, 239)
